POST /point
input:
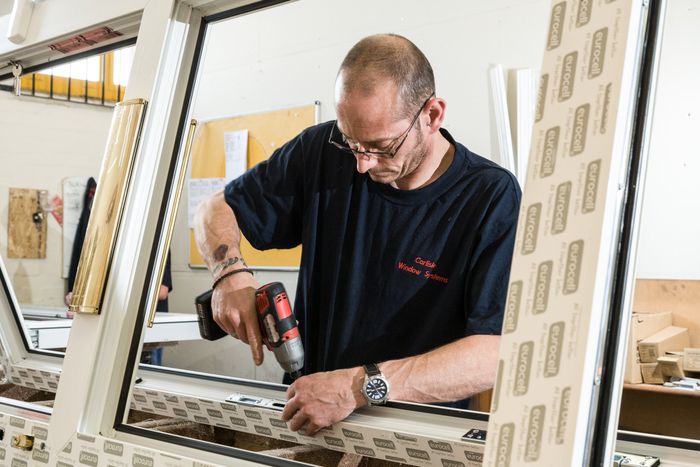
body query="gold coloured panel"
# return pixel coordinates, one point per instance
(102, 229)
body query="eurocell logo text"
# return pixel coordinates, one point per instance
(191, 405)
(352, 434)
(510, 320)
(40, 432)
(160, 405)
(384, 443)
(17, 422)
(563, 416)
(440, 446)
(542, 283)
(88, 458)
(590, 188)
(522, 370)
(535, 427)
(417, 454)
(255, 415)
(115, 449)
(451, 463)
(505, 445)
(552, 357)
(474, 456)
(549, 153)
(238, 421)
(578, 137)
(532, 225)
(40, 456)
(332, 441)
(568, 76)
(597, 58)
(561, 208)
(556, 26)
(138, 459)
(364, 451)
(583, 14)
(572, 271)
(278, 423)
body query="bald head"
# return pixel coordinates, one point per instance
(388, 57)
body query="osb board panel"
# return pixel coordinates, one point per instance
(681, 297)
(26, 226)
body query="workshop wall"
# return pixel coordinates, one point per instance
(668, 242)
(41, 143)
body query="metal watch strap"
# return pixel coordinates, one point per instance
(372, 369)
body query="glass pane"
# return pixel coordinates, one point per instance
(50, 150)
(93, 68)
(252, 88)
(123, 58)
(62, 71)
(78, 69)
(665, 330)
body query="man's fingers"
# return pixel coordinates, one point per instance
(233, 325)
(255, 341)
(224, 323)
(311, 428)
(298, 420)
(290, 408)
(291, 392)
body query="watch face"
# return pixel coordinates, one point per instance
(376, 389)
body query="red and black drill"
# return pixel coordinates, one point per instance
(278, 325)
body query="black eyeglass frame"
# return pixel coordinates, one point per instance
(384, 154)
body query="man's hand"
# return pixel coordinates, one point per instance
(233, 308)
(321, 399)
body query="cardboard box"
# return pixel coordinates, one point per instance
(643, 325)
(671, 366)
(651, 373)
(691, 360)
(672, 338)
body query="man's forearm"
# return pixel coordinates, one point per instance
(452, 372)
(217, 234)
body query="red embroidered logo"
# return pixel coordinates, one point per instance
(424, 267)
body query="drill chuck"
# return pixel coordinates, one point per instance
(290, 355)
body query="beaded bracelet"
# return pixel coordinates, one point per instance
(230, 273)
(227, 263)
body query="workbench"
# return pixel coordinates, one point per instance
(49, 327)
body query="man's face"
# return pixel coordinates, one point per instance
(371, 121)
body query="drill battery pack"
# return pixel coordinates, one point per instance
(208, 328)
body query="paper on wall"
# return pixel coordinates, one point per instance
(73, 197)
(236, 153)
(199, 190)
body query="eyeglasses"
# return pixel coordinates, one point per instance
(342, 142)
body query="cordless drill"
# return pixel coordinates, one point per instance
(278, 325)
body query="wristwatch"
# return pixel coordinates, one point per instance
(375, 388)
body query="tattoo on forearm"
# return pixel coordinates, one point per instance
(226, 263)
(220, 252)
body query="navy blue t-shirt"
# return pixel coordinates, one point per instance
(385, 273)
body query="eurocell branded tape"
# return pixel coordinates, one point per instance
(82, 450)
(566, 235)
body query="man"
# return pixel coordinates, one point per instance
(407, 241)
